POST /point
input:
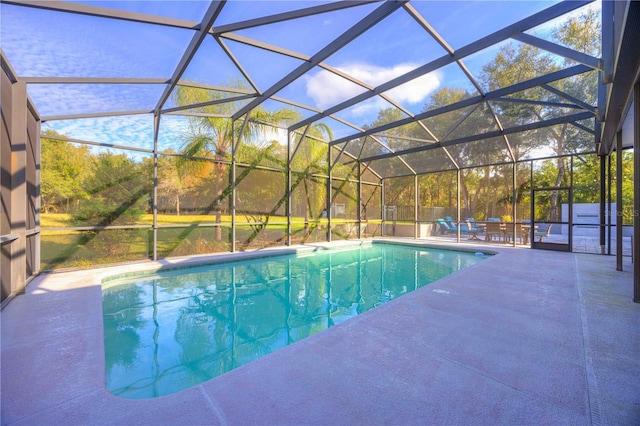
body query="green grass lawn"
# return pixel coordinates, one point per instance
(62, 220)
(70, 248)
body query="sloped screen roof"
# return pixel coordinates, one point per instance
(407, 87)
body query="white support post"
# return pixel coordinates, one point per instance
(289, 189)
(18, 189)
(416, 203)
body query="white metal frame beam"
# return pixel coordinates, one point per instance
(103, 12)
(488, 135)
(471, 48)
(384, 10)
(286, 16)
(496, 94)
(559, 50)
(210, 16)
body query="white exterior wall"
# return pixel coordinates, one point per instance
(589, 213)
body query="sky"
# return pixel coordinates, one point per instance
(47, 43)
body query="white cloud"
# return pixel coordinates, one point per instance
(328, 89)
(274, 134)
(417, 90)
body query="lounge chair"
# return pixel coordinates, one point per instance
(471, 230)
(542, 232)
(450, 221)
(445, 227)
(451, 228)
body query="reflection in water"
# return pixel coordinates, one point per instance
(176, 329)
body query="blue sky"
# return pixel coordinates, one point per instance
(46, 43)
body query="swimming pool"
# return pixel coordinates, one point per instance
(173, 329)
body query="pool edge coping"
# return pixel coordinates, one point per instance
(183, 262)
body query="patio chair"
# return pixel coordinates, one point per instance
(541, 232)
(522, 232)
(493, 231)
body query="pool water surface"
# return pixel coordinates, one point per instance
(174, 329)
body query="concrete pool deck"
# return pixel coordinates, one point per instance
(525, 337)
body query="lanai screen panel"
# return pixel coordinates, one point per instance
(218, 91)
(59, 44)
(130, 131)
(62, 100)
(481, 153)
(433, 160)
(315, 59)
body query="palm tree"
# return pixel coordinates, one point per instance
(311, 157)
(211, 136)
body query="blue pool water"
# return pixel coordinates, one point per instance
(175, 329)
